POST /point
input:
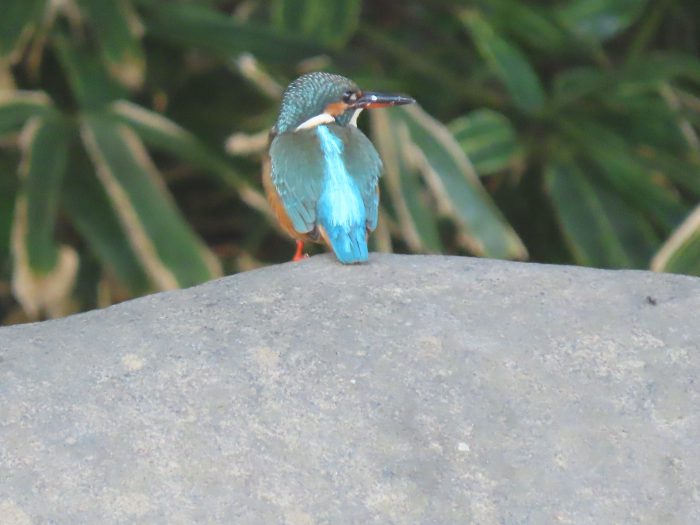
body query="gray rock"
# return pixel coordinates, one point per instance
(412, 390)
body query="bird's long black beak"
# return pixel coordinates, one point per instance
(371, 99)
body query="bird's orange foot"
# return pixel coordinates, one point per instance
(299, 255)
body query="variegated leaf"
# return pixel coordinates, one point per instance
(118, 31)
(599, 227)
(456, 186)
(44, 272)
(488, 139)
(418, 222)
(18, 20)
(16, 107)
(171, 253)
(681, 252)
(163, 134)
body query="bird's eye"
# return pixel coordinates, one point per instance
(349, 97)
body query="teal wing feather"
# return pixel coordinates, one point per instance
(365, 166)
(297, 173)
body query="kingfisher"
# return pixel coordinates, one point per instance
(321, 173)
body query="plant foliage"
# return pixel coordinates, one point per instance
(132, 131)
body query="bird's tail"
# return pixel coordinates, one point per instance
(348, 243)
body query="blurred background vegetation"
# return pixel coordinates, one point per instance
(131, 134)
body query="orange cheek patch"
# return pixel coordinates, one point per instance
(336, 108)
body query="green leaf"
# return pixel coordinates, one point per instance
(87, 204)
(18, 20)
(644, 120)
(118, 31)
(328, 23)
(632, 180)
(44, 272)
(644, 74)
(165, 135)
(600, 228)
(417, 221)
(626, 173)
(16, 107)
(575, 83)
(488, 139)
(633, 230)
(8, 191)
(45, 152)
(599, 20)
(168, 249)
(508, 63)
(653, 69)
(438, 76)
(456, 186)
(683, 172)
(91, 85)
(196, 26)
(532, 25)
(681, 252)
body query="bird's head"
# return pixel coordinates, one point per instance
(322, 98)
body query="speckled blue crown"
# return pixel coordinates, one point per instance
(308, 96)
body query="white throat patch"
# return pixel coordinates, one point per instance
(353, 119)
(323, 118)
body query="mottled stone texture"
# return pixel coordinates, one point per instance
(411, 390)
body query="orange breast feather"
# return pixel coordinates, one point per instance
(276, 204)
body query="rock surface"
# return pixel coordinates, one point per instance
(411, 390)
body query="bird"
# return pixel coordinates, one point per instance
(321, 173)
